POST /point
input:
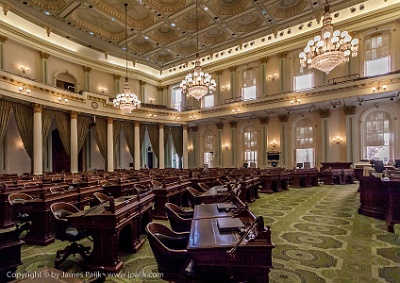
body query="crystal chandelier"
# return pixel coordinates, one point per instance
(126, 101)
(329, 49)
(198, 83)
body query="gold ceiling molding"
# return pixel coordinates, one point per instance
(140, 45)
(49, 4)
(214, 36)
(229, 7)
(168, 6)
(283, 10)
(188, 21)
(247, 23)
(184, 47)
(164, 34)
(163, 56)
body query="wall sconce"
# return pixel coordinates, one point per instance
(151, 100)
(103, 90)
(235, 110)
(65, 100)
(152, 115)
(226, 146)
(25, 69)
(273, 144)
(225, 87)
(192, 117)
(379, 88)
(190, 147)
(176, 118)
(273, 77)
(296, 100)
(337, 140)
(21, 89)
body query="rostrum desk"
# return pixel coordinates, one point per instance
(244, 254)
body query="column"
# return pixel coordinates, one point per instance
(137, 146)
(160, 97)
(44, 58)
(195, 146)
(220, 127)
(110, 145)
(2, 51)
(185, 147)
(232, 81)
(117, 80)
(165, 97)
(264, 140)
(282, 72)
(161, 160)
(324, 115)
(262, 85)
(74, 142)
(219, 86)
(233, 156)
(350, 138)
(284, 138)
(142, 91)
(87, 77)
(37, 140)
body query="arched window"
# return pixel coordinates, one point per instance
(377, 54)
(304, 143)
(209, 141)
(250, 138)
(303, 78)
(249, 82)
(377, 136)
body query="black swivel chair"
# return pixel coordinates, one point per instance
(169, 249)
(64, 232)
(22, 219)
(179, 219)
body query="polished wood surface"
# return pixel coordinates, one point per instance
(335, 165)
(245, 254)
(10, 253)
(114, 224)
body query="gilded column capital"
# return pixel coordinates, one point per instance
(37, 108)
(185, 127)
(233, 124)
(283, 118)
(87, 69)
(220, 125)
(44, 55)
(349, 110)
(117, 77)
(3, 38)
(161, 126)
(160, 88)
(218, 73)
(264, 60)
(136, 123)
(142, 83)
(110, 120)
(325, 113)
(194, 129)
(264, 120)
(74, 115)
(232, 69)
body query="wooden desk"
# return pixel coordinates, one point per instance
(10, 253)
(211, 211)
(335, 165)
(246, 259)
(111, 225)
(304, 178)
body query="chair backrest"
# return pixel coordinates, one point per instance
(156, 184)
(18, 198)
(194, 196)
(56, 190)
(100, 197)
(60, 211)
(141, 188)
(203, 186)
(179, 219)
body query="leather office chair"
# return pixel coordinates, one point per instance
(179, 219)
(203, 186)
(22, 219)
(169, 249)
(64, 232)
(101, 197)
(56, 190)
(194, 196)
(156, 184)
(141, 188)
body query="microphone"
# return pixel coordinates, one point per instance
(259, 221)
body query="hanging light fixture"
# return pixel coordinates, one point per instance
(126, 101)
(198, 83)
(329, 49)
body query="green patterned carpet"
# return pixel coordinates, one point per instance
(318, 234)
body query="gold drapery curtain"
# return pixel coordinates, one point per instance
(177, 138)
(142, 128)
(152, 130)
(63, 121)
(5, 107)
(167, 130)
(47, 119)
(100, 134)
(24, 118)
(83, 129)
(129, 132)
(117, 125)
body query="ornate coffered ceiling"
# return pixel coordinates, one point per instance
(162, 33)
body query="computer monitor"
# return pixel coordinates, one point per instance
(299, 165)
(378, 166)
(245, 165)
(397, 163)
